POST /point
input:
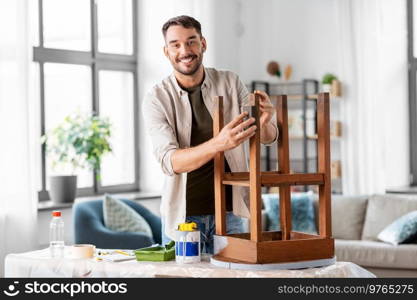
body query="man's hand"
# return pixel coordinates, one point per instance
(266, 107)
(234, 133)
(268, 130)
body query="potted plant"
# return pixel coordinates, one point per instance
(79, 142)
(327, 81)
(331, 84)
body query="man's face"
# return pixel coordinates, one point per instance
(184, 48)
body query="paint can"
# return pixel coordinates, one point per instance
(187, 244)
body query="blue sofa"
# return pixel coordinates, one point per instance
(89, 227)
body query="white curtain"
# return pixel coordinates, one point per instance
(18, 138)
(372, 51)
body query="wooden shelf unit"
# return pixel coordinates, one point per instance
(305, 94)
(286, 245)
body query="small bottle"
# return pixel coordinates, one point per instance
(56, 235)
(187, 244)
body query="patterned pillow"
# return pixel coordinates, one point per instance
(302, 212)
(119, 216)
(402, 230)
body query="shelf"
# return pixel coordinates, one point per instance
(305, 93)
(135, 196)
(314, 137)
(274, 179)
(298, 97)
(291, 159)
(402, 190)
(300, 137)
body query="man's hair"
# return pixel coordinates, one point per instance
(184, 21)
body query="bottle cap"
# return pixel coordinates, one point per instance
(56, 213)
(187, 226)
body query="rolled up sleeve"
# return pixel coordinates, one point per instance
(273, 123)
(164, 140)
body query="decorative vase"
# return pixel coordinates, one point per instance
(336, 88)
(63, 188)
(326, 87)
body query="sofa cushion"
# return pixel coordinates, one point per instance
(120, 217)
(302, 212)
(377, 254)
(348, 214)
(383, 210)
(402, 230)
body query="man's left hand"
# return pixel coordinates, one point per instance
(266, 107)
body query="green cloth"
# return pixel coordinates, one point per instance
(200, 182)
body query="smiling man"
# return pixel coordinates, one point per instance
(178, 115)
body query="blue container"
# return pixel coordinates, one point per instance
(187, 247)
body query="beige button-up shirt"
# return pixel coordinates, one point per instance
(168, 119)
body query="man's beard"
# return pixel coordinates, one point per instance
(193, 70)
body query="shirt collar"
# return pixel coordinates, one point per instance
(206, 83)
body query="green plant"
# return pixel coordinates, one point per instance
(328, 78)
(80, 141)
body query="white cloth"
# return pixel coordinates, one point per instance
(39, 264)
(18, 202)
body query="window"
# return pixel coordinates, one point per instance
(412, 85)
(87, 57)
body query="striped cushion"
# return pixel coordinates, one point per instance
(118, 216)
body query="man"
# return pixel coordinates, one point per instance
(178, 115)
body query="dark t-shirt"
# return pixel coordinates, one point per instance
(200, 182)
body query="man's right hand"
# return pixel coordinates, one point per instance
(231, 136)
(234, 133)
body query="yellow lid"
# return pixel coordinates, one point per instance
(187, 226)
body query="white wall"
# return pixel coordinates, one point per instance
(296, 32)
(243, 36)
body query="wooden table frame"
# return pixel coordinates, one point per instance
(274, 246)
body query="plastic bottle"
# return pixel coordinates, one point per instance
(187, 244)
(56, 235)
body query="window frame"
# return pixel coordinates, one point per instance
(98, 61)
(412, 95)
